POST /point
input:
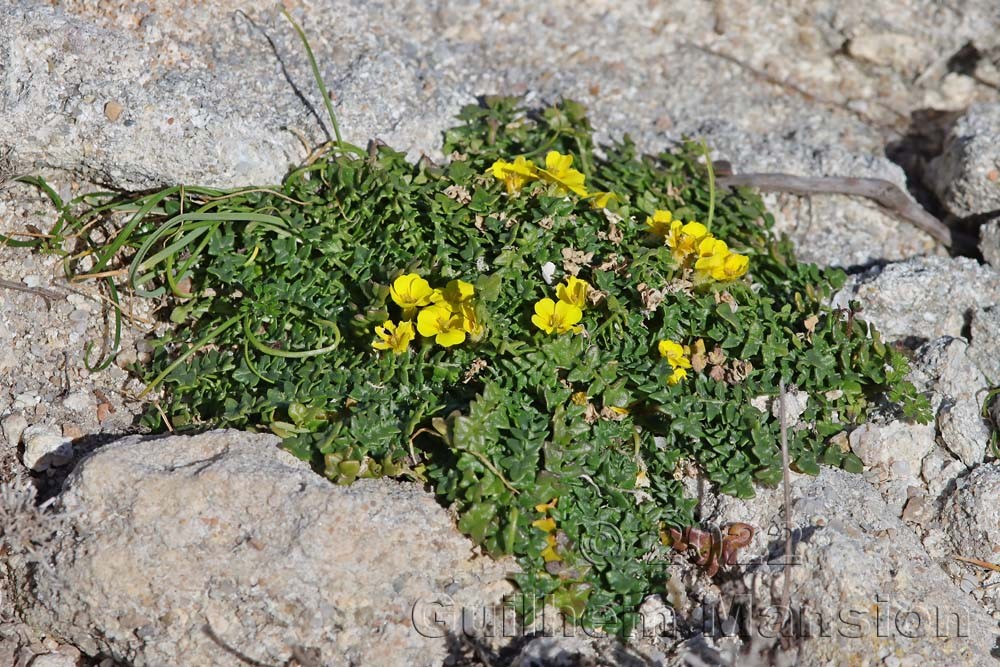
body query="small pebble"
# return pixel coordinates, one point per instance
(53, 660)
(44, 448)
(113, 110)
(13, 426)
(79, 401)
(26, 400)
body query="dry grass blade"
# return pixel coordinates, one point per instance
(980, 563)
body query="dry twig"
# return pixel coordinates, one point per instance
(883, 192)
(46, 294)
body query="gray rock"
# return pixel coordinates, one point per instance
(924, 297)
(54, 660)
(940, 468)
(185, 549)
(945, 368)
(966, 176)
(984, 346)
(61, 74)
(894, 451)
(13, 426)
(971, 514)
(154, 97)
(860, 580)
(895, 442)
(989, 242)
(556, 651)
(45, 447)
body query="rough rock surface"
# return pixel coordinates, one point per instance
(984, 346)
(971, 514)
(135, 95)
(83, 98)
(892, 443)
(922, 298)
(186, 550)
(989, 242)
(958, 388)
(966, 176)
(195, 92)
(864, 587)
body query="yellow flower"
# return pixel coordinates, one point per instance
(545, 507)
(559, 170)
(410, 291)
(678, 375)
(659, 223)
(514, 174)
(675, 354)
(733, 267)
(711, 260)
(546, 525)
(441, 322)
(470, 321)
(685, 240)
(550, 554)
(392, 336)
(574, 292)
(556, 316)
(602, 199)
(455, 293)
(457, 297)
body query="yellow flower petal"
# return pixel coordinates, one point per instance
(685, 239)
(557, 163)
(542, 318)
(450, 337)
(547, 525)
(394, 337)
(675, 354)
(734, 266)
(550, 554)
(695, 230)
(558, 170)
(470, 321)
(545, 507)
(659, 222)
(455, 292)
(556, 316)
(573, 291)
(442, 323)
(410, 291)
(514, 174)
(602, 199)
